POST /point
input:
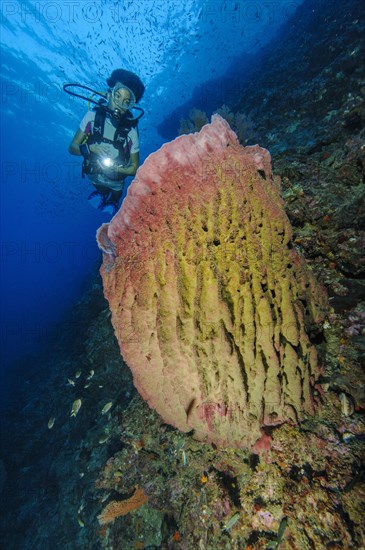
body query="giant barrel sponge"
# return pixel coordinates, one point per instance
(211, 304)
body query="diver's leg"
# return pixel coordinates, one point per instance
(103, 189)
(100, 197)
(115, 196)
(112, 203)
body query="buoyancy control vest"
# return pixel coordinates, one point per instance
(121, 140)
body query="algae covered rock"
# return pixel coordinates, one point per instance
(211, 305)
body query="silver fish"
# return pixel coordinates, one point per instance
(76, 405)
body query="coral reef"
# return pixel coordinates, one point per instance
(219, 304)
(307, 490)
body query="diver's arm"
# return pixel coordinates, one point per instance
(74, 147)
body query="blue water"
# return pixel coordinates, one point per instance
(185, 54)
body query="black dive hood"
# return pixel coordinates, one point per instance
(116, 116)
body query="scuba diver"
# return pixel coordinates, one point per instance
(107, 138)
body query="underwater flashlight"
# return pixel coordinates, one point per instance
(107, 162)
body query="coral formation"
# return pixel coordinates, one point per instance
(197, 119)
(240, 123)
(355, 322)
(117, 508)
(210, 302)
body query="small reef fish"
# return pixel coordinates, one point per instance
(231, 522)
(91, 374)
(347, 436)
(51, 422)
(70, 382)
(347, 404)
(78, 374)
(107, 407)
(79, 517)
(76, 405)
(275, 544)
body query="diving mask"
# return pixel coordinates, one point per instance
(123, 96)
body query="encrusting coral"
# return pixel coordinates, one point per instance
(210, 302)
(240, 123)
(117, 508)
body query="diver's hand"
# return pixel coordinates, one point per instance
(113, 172)
(98, 149)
